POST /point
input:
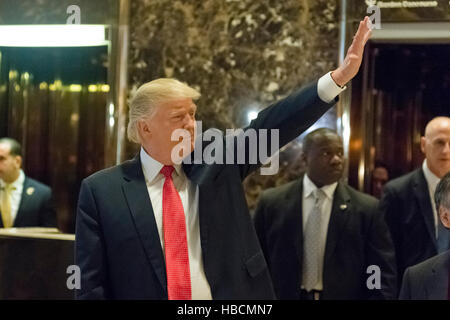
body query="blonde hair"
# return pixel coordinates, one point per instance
(151, 94)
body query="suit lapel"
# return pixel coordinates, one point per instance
(437, 287)
(423, 197)
(136, 194)
(294, 213)
(24, 202)
(340, 212)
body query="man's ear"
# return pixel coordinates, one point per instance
(423, 141)
(143, 129)
(18, 160)
(444, 214)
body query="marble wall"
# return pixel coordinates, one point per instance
(241, 54)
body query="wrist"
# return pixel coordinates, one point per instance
(337, 78)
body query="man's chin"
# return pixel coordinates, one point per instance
(334, 177)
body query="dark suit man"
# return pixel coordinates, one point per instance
(24, 202)
(128, 248)
(350, 237)
(429, 280)
(408, 201)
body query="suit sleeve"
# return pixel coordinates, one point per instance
(275, 126)
(47, 215)
(405, 291)
(259, 222)
(388, 206)
(90, 254)
(380, 252)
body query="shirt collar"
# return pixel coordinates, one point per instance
(432, 179)
(17, 183)
(309, 187)
(152, 167)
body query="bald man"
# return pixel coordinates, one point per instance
(408, 201)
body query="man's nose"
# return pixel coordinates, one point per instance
(446, 147)
(189, 122)
(336, 159)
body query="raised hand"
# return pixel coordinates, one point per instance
(352, 61)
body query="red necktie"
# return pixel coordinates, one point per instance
(175, 241)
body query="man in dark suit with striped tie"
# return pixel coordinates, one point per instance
(408, 202)
(321, 238)
(429, 280)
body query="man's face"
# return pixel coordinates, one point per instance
(9, 164)
(379, 178)
(436, 147)
(325, 159)
(168, 117)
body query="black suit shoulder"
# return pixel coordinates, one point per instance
(363, 200)
(403, 185)
(426, 266)
(36, 206)
(273, 199)
(39, 186)
(107, 173)
(272, 195)
(108, 177)
(422, 267)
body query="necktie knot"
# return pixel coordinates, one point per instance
(319, 195)
(166, 171)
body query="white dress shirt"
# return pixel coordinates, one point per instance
(16, 194)
(188, 192)
(432, 182)
(327, 90)
(325, 210)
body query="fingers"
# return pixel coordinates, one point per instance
(368, 34)
(363, 33)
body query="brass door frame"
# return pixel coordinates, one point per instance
(116, 134)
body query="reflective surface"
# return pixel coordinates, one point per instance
(54, 102)
(62, 104)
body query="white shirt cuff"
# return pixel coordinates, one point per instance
(327, 89)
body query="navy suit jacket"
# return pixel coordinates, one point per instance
(428, 280)
(407, 208)
(36, 207)
(357, 238)
(117, 243)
